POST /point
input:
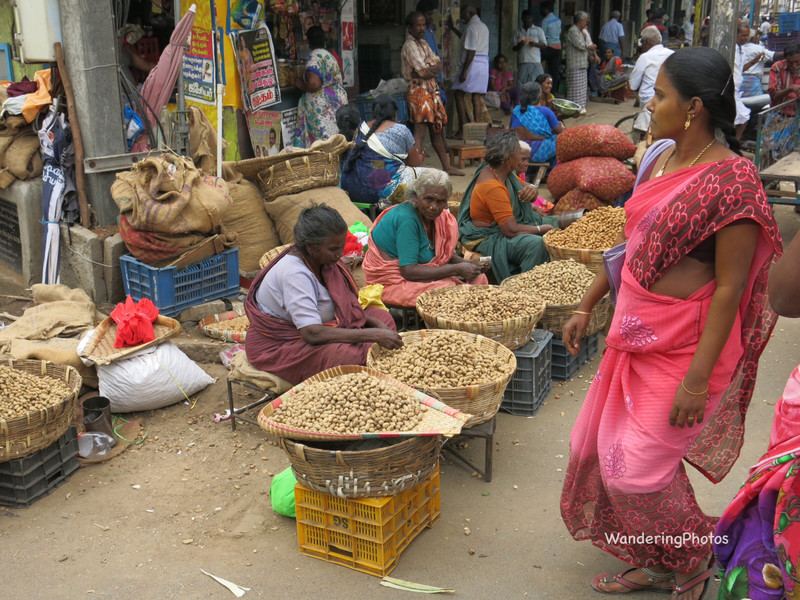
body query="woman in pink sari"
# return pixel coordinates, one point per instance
(412, 245)
(682, 351)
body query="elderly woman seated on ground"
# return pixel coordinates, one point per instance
(303, 307)
(412, 245)
(537, 125)
(496, 218)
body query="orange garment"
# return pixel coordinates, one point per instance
(491, 202)
(41, 97)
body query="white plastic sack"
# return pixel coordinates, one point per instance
(151, 378)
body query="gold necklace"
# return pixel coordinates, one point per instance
(496, 176)
(691, 164)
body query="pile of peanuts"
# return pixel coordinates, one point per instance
(484, 304)
(21, 393)
(559, 282)
(350, 404)
(442, 361)
(596, 230)
(238, 324)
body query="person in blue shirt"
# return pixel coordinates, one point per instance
(552, 53)
(612, 34)
(426, 8)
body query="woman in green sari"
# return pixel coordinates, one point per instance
(496, 218)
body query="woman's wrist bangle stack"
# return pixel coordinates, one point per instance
(538, 229)
(580, 312)
(688, 391)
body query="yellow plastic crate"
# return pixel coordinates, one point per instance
(365, 534)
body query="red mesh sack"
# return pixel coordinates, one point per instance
(576, 200)
(605, 178)
(561, 179)
(593, 140)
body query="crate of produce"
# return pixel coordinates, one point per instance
(532, 381)
(25, 480)
(366, 534)
(565, 365)
(789, 22)
(364, 104)
(173, 290)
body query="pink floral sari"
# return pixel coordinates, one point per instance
(626, 479)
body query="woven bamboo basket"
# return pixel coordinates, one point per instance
(295, 175)
(438, 418)
(38, 429)
(382, 471)
(555, 316)
(100, 346)
(221, 333)
(271, 255)
(512, 333)
(481, 400)
(593, 259)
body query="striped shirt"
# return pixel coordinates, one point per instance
(416, 56)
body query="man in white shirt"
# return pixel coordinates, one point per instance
(473, 71)
(612, 34)
(742, 112)
(753, 57)
(643, 77)
(688, 30)
(528, 42)
(765, 25)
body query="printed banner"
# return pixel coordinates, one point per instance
(198, 67)
(288, 124)
(258, 68)
(265, 132)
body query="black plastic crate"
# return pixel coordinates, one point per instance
(532, 381)
(24, 480)
(565, 365)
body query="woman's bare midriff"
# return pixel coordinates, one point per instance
(685, 278)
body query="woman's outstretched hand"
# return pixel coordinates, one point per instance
(387, 338)
(573, 331)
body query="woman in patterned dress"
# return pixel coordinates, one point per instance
(682, 351)
(324, 93)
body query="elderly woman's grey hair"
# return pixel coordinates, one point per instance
(580, 16)
(529, 95)
(524, 147)
(316, 225)
(500, 147)
(427, 177)
(651, 34)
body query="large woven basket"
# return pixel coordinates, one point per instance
(512, 333)
(438, 419)
(382, 471)
(593, 259)
(482, 400)
(271, 255)
(555, 316)
(38, 429)
(295, 175)
(100, 349)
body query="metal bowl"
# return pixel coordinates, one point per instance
(566, 107)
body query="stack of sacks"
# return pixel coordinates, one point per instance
(590, 173)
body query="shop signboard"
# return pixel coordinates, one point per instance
(265, 132)
(198, 67)
(288, 124)
(258, 68)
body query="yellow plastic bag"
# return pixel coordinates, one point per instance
(370, 295)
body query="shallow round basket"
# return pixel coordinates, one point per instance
(382, 471)
(271, 255)
(38, 429)
(593, 259)
(481, 400)
(512, 333)
(221, 332)
(295, 175)
(567, 108)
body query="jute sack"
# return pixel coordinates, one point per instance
(22, 157)
(285, 210)
(203, 143)
(167, 194)
(248, 218)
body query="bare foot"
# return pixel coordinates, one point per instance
(690, 586)
(453, 171)
(629, 581)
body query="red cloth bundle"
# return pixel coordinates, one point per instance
(134, 322)
(352, 247)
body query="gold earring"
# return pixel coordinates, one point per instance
(688, 121)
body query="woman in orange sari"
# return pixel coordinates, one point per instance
(412, 245)
(682, 351)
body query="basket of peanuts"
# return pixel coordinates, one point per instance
(561, 284)
(587, 238)
(467, 371)
(230, 326)
(504, 315)
(37, 403)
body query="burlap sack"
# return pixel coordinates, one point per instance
(285, 210)
(167, 194)
(53, 319)
(242, 370)
(11, 125)
(58, 350)
(247, 217)
(203, 142)
(22, 157)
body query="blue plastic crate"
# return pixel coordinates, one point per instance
(532, 381)
(364, 104)
(788, 22)
(172, 290)
(565, 365)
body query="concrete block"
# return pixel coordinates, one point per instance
(237, 305)
(21, 231)
(203, 352)
(201, 311)
(113, 248)
(81, 256)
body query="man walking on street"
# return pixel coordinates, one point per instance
(528, 43)
(612, 34)
(643, 77)
(578, 50)
(551, 25)
(473, 72)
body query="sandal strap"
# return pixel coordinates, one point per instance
(656, 576)
(692, 583)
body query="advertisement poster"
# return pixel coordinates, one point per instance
(348, 68)
(265, 132)
(258, 68)
(198, 67)
(288, 124)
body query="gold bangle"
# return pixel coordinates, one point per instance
(688, 391)
(580, 312)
